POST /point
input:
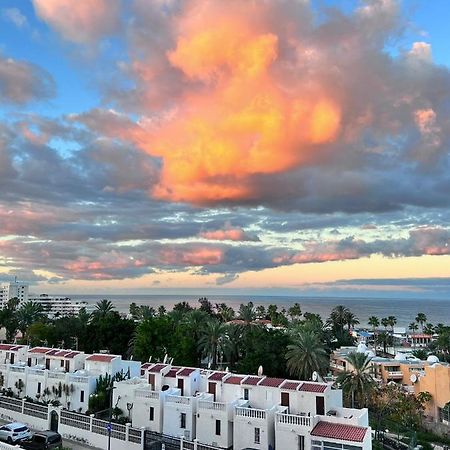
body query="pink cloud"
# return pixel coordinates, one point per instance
(79, 21)
(227, 234)
(192, 257)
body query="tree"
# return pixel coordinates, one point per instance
(392, 320)
(9, 320)
(413, 327)
(206, 306)
(247, 312)
(306, 355)
(357, 383)
(428, 329)
(224, 312)
(385, 322)
(260, 312)
(28, 313)
(421, 318)
(103, 308)
(211, 340)
(338, 318)
(232, 344)
(373, 322)
(194, 321)
(351, 320)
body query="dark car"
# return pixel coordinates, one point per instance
(42, 440)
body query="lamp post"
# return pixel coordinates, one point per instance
(109, 426)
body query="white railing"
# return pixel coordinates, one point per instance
(78, 379)
(216, 406)
(251, 413)
(337, 366)
(56, 375)
(178, 400)
(146, 394)
(39, 372)
(293, 419)
(17, 369)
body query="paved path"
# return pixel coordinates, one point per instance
(73, 445)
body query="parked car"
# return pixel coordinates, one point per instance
(42, 440)
(14, 432)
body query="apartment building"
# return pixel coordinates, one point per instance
(14, 289)
(55, 306)
(241, 411)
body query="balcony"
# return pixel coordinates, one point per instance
(251, 413)
(394, 374)
(215, 406)
(293, 419)
(179, 400)
(79, 379)
(336, 366)
(56, 376)
(17, 369)
(37, 372)
(144, 393)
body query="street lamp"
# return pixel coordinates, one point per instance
(109, 426)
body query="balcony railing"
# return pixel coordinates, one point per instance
(79, 379)
(251, 413)
(216, 406)
(395, 374)
(17, 369)
(293, 419)
(56, 375)
(178, 400)
(146, 394)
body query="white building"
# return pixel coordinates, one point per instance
(242, 411)
(59, 306)
(13, 289)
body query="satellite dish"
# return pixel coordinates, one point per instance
(413, 378)
(165, 359)
(315, 376)
(260, 371)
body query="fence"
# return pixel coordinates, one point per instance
(174, 443)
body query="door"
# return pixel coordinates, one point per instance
(47, 364)
(285, 399)
(151, 380)
(54, 419)
(212, 389)
(320, 406)
(67, 365)
(12, 358)
(180, 385)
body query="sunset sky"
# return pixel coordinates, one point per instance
(260, 146)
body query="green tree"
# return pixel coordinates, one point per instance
(28, 313)
(247, 312)
(421, 318)
(392, 320)
(357, 383)
(413, 327)
(338, 318)
(305, 355)
(385, 322)
(373, 322)
(211, 342)
(103, 308)
(260, 312)
(9, 319)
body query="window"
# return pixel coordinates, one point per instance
(183, 420)
(81, 396)
(257, 435)
(152, 413)
(301, 442)
(246, 394)
(217, 427)
(62, 363)
(39, 388)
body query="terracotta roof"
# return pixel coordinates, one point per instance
(172, 373)
(234, 379)
(39, 350)
(217, 376)
(146, 366)
(101, 358)
(313, 387)
(291, 385)
(339, 431)
(252, 381)
(271, 382)
(10, 347)
(72, 354)
(185, 372)
(52, 352)
(157, 368)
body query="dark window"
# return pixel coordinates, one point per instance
(320, 406)
(152, 413)
(183, 420)
(180, 385)
(301, 442)
(39, 388)
(29, 362)
(285, 399)
(81, 396)
(151, 380)
(245, 394)
(217, 427)
(62, 363)
(257, 435)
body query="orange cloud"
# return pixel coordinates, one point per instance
(192, 257)
(239, 119)
(228, 234)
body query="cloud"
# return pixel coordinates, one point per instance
(229, 233)
(80, 22)
(22, 82)
(14, 16)
(226, 279)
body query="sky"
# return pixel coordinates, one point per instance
(282, 146)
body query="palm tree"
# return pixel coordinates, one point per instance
(295, 311)
(428, 329)
(421, 318)
(373, 322)
(260, 312)
(306, 355)
(211, 342)
(225, 312)
(385, 322)
(338, 317)
(247, 312)
(351, 320)
(392, 320)
(232, 343)
(413, 327)
(28, 313)
(103, 308)
(195, 320)
(358, 382)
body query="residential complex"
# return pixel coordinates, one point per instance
(14, 289)
(216, 408)
(55, 306)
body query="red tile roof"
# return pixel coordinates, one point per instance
(185, 372)
(252, 381)
(217, 376)
(52, 352)
(72, 354)
(39, 350)
(157, 368)
(291, 385)
(271, 382)
(172, 373)
(234, 379)
(101, 358)
(313, 387)
(146, 366)
(339, 431)
(10, 347)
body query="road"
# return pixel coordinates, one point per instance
(73, 445)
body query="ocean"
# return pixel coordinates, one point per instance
(405, 310)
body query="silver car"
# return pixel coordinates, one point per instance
(14, 432)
